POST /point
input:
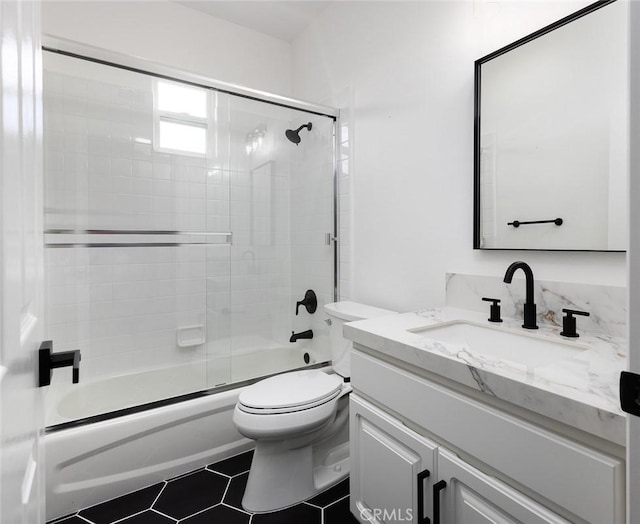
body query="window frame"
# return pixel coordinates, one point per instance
(160, 115)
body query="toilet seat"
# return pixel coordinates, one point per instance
(290, 392)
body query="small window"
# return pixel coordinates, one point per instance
(177, 99)
(180, 118)
(182, 137)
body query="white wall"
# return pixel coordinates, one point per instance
(177, 36)
(409, 66)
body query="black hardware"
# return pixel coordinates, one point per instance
(421, 476)
(518, 223)
(569, 322)
(303, 334)
(630, 392)
(306, 358)
(494, 310)
(309, 301)
(529, 305)
(437, 488)
(48, 360)
(293, 135)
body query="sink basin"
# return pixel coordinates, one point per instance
(525, 349)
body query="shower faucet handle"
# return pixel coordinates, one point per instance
(310, 302)
(48, 361)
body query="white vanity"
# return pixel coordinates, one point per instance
(446, 428)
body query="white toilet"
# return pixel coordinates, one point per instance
(299, 421)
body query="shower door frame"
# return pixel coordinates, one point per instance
(121, 61)
(139, 65)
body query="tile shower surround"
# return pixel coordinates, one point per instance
(122, 306)
(212, 495)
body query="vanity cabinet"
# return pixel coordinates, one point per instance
(513, 470)
(465, 495)
(392, 467)
(397, 475)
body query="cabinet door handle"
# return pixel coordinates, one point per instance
(437, 488)
(421, 518)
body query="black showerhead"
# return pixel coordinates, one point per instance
(294, 136)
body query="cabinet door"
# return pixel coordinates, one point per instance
(392, 468)
(465, 495)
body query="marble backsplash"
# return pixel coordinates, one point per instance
(607, 305)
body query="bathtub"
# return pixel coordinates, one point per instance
(66, 402)
(91, 463)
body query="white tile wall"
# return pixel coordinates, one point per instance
(124, 306)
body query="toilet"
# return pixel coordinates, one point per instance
(300, 423)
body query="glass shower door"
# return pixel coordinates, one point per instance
(135, 222)
(281, 208)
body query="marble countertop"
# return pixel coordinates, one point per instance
(580, 391)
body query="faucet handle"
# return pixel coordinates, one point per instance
(310, 302)
(494, 310)
(569, 322)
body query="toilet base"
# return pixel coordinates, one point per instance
(283, 475)
(282, 479)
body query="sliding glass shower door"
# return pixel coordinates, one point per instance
(181, 226)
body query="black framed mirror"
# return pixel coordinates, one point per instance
(551, 137)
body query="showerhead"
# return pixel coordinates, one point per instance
(294, 135)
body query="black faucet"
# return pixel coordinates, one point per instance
(303, 334)
(529, 305)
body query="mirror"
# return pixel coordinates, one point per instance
(551, 139)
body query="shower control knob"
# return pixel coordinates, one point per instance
(310, 302)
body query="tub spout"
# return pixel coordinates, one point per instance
(303, 334)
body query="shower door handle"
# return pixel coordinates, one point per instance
(48, 361)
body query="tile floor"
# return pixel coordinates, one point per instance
(212, 496)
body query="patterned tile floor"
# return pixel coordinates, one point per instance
(212, 496)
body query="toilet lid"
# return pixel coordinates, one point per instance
(291, 390)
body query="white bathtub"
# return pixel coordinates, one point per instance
(99, 461)
(66, 402)
(95, 462)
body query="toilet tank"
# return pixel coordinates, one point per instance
(338, 313)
